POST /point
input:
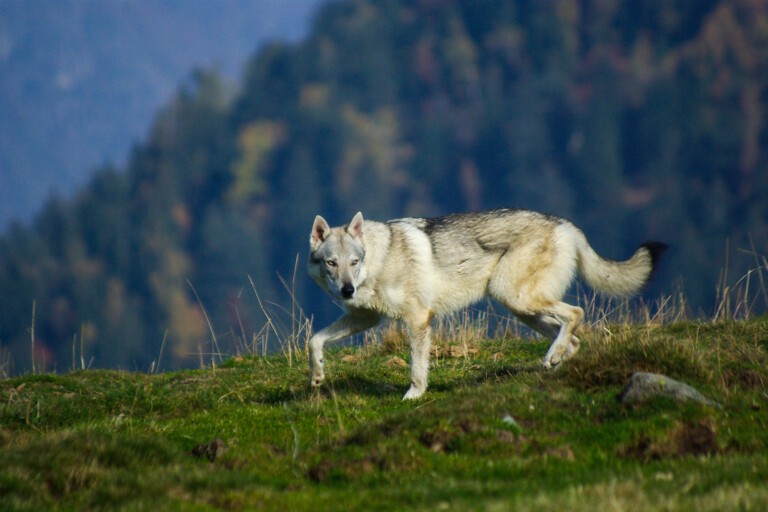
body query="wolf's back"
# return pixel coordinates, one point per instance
(618, 278)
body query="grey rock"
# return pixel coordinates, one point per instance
(508, 420)
(644, 386)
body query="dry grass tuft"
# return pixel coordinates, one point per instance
(611, 357)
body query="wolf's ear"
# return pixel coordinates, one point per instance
(320, 231)
(355, 227)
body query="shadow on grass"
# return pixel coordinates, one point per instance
(439, 382)
(340, 386)
(505, 372)
(377, 384)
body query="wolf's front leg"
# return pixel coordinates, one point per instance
(421, 341)
(346, 325)
(316, 362)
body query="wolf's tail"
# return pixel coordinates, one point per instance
(618, 278)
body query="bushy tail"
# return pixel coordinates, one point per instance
(618, 278)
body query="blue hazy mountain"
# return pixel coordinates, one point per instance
(81, 80)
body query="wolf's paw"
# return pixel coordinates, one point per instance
(413, 393)
(317, 375)
(553, 360)
(549, 364)
(316, 379)
(559, 354)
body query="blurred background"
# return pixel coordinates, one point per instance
(161, 161)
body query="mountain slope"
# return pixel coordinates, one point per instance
(81, 81)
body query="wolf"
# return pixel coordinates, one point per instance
(413, 269)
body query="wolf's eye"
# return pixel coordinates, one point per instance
(330, 263)
(354, 262)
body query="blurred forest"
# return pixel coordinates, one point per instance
(636, 120)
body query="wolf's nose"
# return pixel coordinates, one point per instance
(347, 291)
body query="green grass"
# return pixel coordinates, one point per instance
(494, 431)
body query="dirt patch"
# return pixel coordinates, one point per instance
(564, 452)
(210, 451)
(396, 362)
(373, 434)
(744, 378)
(344, 468)
(507, 437)
(685, 439)
(347, 469)
(444, 438)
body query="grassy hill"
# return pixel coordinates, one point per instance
(494, 432)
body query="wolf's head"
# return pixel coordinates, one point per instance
(336, 257)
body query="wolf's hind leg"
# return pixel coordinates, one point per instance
(550, 327)
(531, 280)
(565, 344)
(545, 325)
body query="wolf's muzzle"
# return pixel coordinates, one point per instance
(347, 291)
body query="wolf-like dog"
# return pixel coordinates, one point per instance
(413, 269)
